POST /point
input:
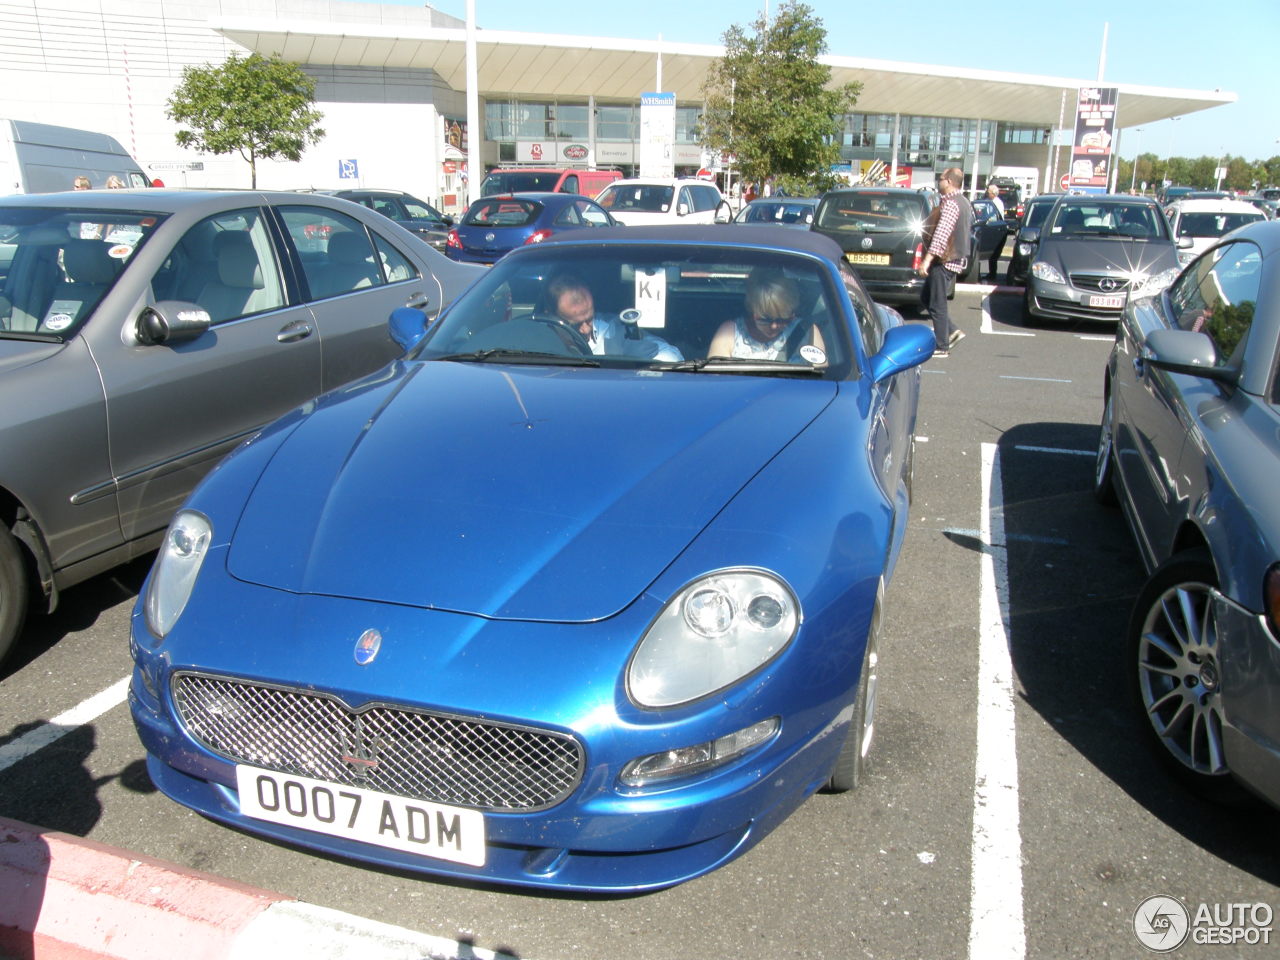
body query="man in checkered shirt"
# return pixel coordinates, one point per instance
(945, 258)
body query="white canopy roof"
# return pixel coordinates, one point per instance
(546, 65)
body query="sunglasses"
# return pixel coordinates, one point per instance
(774, 321)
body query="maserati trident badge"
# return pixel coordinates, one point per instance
(367, 647)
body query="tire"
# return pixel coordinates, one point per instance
(1027, 317)
(852, 762)
(13, 592)
(1104, 469)
(1174, 675)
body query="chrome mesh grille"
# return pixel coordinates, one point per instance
(1093, 283)
(409, 753)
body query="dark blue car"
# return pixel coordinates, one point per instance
(520, 610)
(494, 226)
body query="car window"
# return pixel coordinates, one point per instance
(637, 198)
(338, 256)
(57, 265)
(387, 207)
(591, 214)
(568, 217)
(395, 265)
(570, 184)
(870, 324)
(871, 211)
(1210, 224)
(1217, 294)
(1036, 214)
(705, 198)
(418, 210)
(227, 264)
(1127, 221)
(501, 212)
(645, 293)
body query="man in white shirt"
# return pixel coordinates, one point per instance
(571, 299)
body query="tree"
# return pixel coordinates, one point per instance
(767, 101)
(257, 107)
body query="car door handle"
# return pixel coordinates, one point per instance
(418, 300)
(298, 330)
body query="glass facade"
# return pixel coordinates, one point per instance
(922, 141)
(506, 121)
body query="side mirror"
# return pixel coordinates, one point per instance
(407, 325)
(682, 210)
(172, 321)
(1185, 243)
(447, 220)
(904, 347)
(1186, 351)
(1029, 235)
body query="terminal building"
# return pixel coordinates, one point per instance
(391, 83)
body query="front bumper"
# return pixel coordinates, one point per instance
(603, 837)
(1062, 301)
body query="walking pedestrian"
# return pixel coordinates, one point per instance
(947, 253)
(993, 263)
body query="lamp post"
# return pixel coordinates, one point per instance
(1169, 155)
(1133, 178)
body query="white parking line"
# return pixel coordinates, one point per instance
(996, 928)
(1071, 453)
(1037, 379)
(63, 723)
(988, 328)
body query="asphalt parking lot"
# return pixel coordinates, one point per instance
(1010, 812)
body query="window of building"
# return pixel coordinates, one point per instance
(617, 122)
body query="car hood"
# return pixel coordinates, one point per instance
(634, 219)
(1109, 256)
(15, 354)
(530, 493)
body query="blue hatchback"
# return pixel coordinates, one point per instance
(494, 226)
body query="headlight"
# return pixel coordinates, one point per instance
(1047, 272)
(715, 631)
(1144, 286)
(185, 544)
(687, 761)
(1026, 249)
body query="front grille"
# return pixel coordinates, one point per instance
(409, 753)
(1093, 283)
(1078, 310)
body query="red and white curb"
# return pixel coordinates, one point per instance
(66, 898)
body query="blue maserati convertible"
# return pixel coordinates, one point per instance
(582, 593)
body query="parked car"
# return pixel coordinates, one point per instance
(416, 216)
(494, 226)
(1034, 214)
(144, 334)
(656, 201)
(1204, 221)
(524, 179)
(1167, 195)
(879, 230)
(795, 212)
(989, 232)
(1269, 207)
(1190, 446)
(1093, 253)
(559, 620)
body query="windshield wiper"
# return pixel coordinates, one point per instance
(519, 356)
(736, 365)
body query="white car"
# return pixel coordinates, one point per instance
(656, 200)
(1202, 222)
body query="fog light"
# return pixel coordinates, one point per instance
(687, 761)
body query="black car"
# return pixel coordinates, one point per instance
(880, 230)
(1011, 197)
(413, 214)
(1034, 213)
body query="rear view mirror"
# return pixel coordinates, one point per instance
(407, 325)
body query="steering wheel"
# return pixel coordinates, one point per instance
(574, 341)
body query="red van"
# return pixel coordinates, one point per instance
(547, 180)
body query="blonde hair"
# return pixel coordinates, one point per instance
(114, 183)
(81, 183)
(771, 293)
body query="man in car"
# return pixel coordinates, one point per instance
(570, 299)
(946, 256)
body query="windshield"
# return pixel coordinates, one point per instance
(636, 198)
(675, 307)
(56, 265)
(519, 181)
(1210, 224)
(872, 212)
(1116, 221)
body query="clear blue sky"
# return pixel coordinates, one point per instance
(1230, 46)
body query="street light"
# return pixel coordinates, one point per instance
(1136, 153)
(1169, 155)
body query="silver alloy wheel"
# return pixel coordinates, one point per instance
(1104, 490)
(1179, 679)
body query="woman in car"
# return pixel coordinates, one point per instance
(767, 329)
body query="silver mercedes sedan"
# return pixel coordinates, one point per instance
(1190, 447)
(145, 333)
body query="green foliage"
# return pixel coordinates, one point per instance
(254, 106)
(1199, 172)
(768, 101)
